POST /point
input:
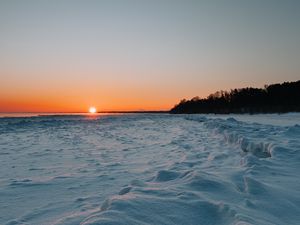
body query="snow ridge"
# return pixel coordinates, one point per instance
(148, 169)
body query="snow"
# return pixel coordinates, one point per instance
(150, 169)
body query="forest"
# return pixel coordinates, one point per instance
(274, 98)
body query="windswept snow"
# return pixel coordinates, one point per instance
(150, 169)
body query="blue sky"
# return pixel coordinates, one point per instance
(144, 51)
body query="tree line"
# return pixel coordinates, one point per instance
(274, 98)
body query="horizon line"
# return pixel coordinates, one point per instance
(106, 111)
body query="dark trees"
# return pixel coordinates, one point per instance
(275, 98)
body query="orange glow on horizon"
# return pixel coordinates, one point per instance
(60, 96)
(66, 105)
(79, 104)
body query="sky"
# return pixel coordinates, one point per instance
(68, 55)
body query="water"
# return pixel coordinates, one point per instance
(150, 169)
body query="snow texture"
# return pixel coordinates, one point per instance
(150, 169)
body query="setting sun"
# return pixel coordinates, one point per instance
(92, 110)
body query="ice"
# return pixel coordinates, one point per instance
(150, 169)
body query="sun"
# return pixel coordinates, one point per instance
(92, 110)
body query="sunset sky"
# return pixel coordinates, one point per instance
(64, 56)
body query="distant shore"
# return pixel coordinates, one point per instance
(154, 111)
(274, 98)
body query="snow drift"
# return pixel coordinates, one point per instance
(149, 169)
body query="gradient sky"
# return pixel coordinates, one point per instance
(64, 56)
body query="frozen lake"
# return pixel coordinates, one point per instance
(150, 169)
